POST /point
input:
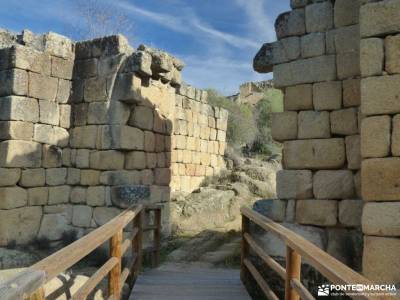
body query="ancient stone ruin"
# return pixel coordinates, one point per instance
(338, 64)
(89, 128)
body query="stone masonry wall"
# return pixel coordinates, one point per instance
(87, 129)
(380, 139)
(316, 64)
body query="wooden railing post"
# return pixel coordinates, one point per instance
(157, 237)
(293, 270)
(245, 248)
(114, 279)
(137, 247)
(38, 295)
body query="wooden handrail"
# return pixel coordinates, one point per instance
(297, 248)
(30, 283)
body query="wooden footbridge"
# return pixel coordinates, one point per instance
(180, 282)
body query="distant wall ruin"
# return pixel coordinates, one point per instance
(88, 128)
(336, 62)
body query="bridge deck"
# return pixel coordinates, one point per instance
(189, 282)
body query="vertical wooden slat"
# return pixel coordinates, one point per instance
(114, 278)
(157, 237)
(137, 246)
(293, 270)
(245, 248)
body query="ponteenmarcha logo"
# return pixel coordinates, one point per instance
(323, 290)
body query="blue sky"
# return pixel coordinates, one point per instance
(217, 39)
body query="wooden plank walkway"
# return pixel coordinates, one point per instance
(189, 282)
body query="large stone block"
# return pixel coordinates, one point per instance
(296, 184)
(95, 89)
(380, 18)
(334, 185)
(380, 181)
(327, 95)
(135, 160)
(102, 215)
(82, 158)
(120, 137)
(33, 178)
(299, 97)
(375, 136)
(321, 68)
(290, 24)
(319, 17)
(51, 135)
(107, 160)
(348, 65)
(20, 225)
(62, 68)
(56, 176)
(15, 130)
(9, 177)
(317, 212)
(96, 196)
(381, 219)
(90, 177)
(38, 196)
(350, 212)
(13, 82)
(53, 226)
(58, 45)
(64, 91)
(381, 259)
(42, 87)
(392, 54)
(344, 121)
(12, 197)
(78, 195)
(347, 39)
(82, 216)
(353, 152)
(20, 154)
(142, 117)
(314, 154)
(384, 88)
(84, 137)
(313, 44)
(49, 112)
(284, 126)
(59, 194)
(372, 57)
(19, 109)
(313, 125)
(346, 12)
(65, 116)
(26, 58)
(126, 195)
(351, 92)
(114, 112)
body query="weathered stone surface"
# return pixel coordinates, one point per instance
(348, 65)
(392, 54)
(313, 44)
(96, 195)
(82, 158)
(20, 225)
(73, 176)
(51, 157)
(142, 117)
(107, 160)
(353, 152)
(53, 226)
(62, 68)
(274, 246)
(42, 87)
(274, 209)
(327, 95)
(347, 39)
(90, 177)
(58, 45)
(350, 212)
(384, 88)
(135, 160)
(59, 194)
(33, 178)
(284, 126)
(82, 215)
(317, 212)
(12, 197)
(120, 137)
(9, 177)
(372, 57)
(160, 193)
(319, 17)
(380, 179)
(121, 177)
(381, 219)
(51, 135)
(65, 116)
(313, 125)
(162, 176)
(351, 92)
(19, 109)
(375, 136)
(379, 18)
(290, 24)
(395, 135)
(381, 257)
(20, 154)
(101, 215)
(127, 195)
(84, 137)
(56, 176)
(345, 245)
(95, 89)
(113, 112)
(299, 97)
(321, 68)
(333, 184)
(314, 154)
(15, 130)
(346, 12)
(78, 195)
(38, 196)
(14, 82)
(298, 3)
(294, 184)
(344, 121)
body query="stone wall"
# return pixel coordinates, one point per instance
(316, 64)
(380, 91)
(89, 128)
(328, 65)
